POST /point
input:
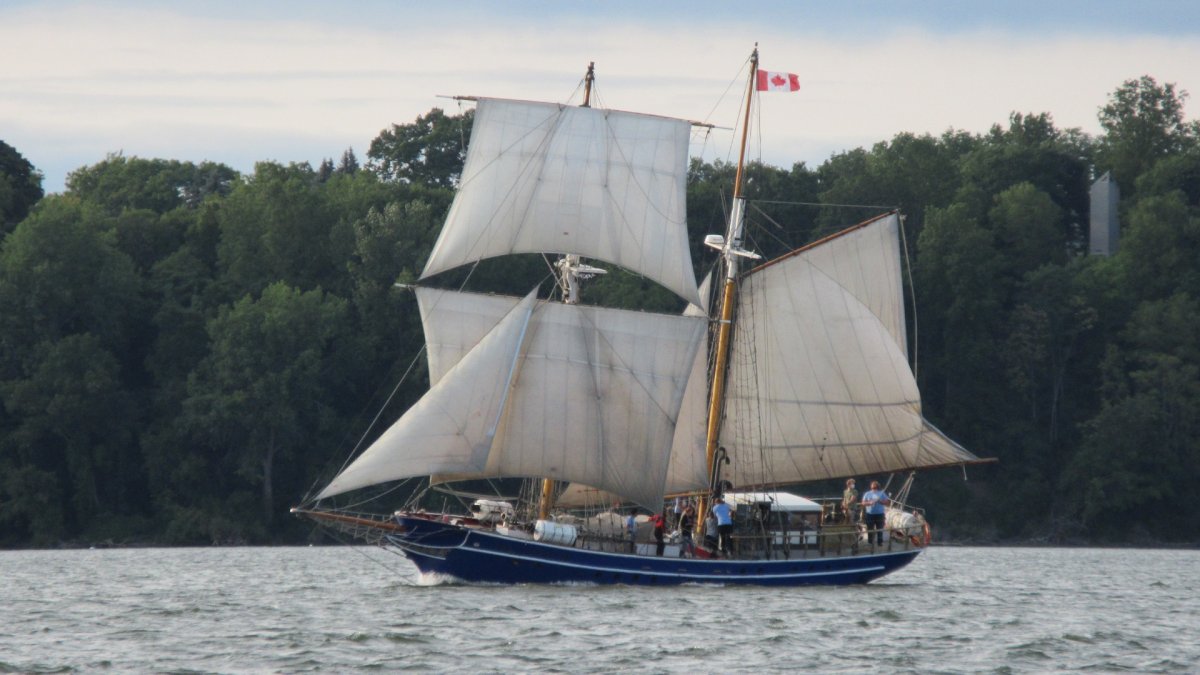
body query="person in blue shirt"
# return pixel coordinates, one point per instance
(724, 516)
(874, 503)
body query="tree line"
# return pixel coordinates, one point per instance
(185, 351)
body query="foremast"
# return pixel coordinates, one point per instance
(570, 272)
(731, 252)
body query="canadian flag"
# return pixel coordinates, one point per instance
(769, 81)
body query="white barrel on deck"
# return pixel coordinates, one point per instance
(902, 520)
(550, 532)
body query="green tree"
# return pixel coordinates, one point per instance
(278, 226)
(1140, 453)
(1178, 172)
(781, 212)
(148, 237)
(910, 172)
(31, 505)
(1058, 297)
(158, 185)
(1033, 151)
(69, 302)
(1161, 246)
(429, 152)
(20, 187)
(391, 244)
(1028, 228)
(958, 274)
(348, 163)
(259, 399)
(1143, 122)
(77, 421)
(60, 275)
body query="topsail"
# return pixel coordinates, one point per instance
(549, 178)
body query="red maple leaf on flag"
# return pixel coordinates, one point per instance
(778, 80)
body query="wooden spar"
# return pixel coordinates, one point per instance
(695, 123)
(737, 180)
(725, 324)
(587, 85)
(350, 520)
(547, 498)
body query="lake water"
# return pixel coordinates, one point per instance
(342, 609)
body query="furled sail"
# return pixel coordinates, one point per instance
(576, 495)
(594, 398)
(550, 178)
(819, 382)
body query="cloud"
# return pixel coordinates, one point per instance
(164, 83)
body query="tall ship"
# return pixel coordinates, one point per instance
(625, 438)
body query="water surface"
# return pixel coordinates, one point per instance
(342, 609)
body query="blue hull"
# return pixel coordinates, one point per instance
(476, 555)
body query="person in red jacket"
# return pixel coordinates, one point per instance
(660, 532)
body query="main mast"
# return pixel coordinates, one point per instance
(731, 251)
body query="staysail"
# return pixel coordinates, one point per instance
(819, 382)
(551, 178)
(593, 397)
(453, 427)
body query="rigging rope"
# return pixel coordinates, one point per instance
(912, 294)
(308, 497)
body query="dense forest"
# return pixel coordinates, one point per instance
(186, 351)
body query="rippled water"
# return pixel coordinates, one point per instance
(1005, 610)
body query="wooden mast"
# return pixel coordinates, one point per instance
(587, 85)
(728, 297)
(547, 494)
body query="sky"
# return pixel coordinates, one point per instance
(302, 80)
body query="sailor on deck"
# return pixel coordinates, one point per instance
(724, 516)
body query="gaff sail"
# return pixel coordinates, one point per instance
(819, 381)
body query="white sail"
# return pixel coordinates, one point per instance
(549, 178)
(452, 428)
(597, 392)
(866, 262)
(687, 472)
(819, 382)
(455, 322)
